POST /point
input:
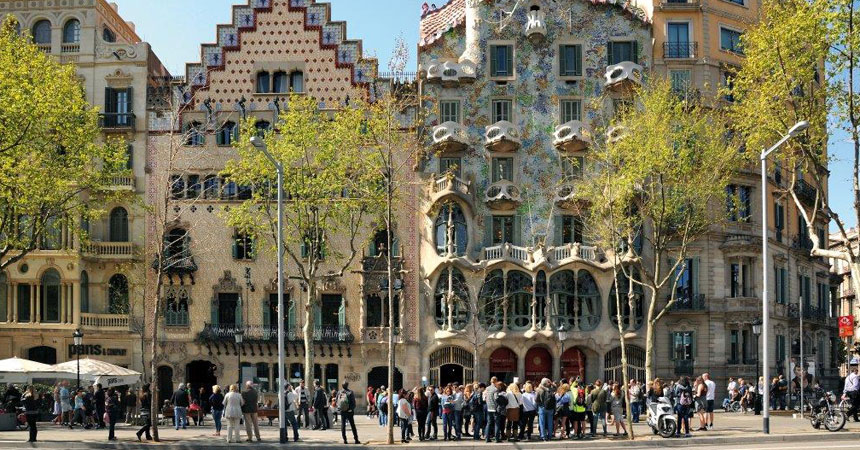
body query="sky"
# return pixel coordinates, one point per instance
(176, 28)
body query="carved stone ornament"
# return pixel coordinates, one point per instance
(227, 284)
(332, 284)
(121, 51)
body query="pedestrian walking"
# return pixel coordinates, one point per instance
(31, 409)
(113, 409)
(145, 412)
(304, 404)
(216, 402)
(233, 413)
(180, 403)
(250, 398)
(130, 404)
(320, 404)
(852, 392)
(346, 405)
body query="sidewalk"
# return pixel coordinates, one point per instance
(731, 429)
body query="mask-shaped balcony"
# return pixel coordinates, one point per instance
(536, 26)
(616, 133)
(450, 73)
(503, 195)
(572, 136)
(565, 198)
(623, 76)
(449, 137)
(502, 136)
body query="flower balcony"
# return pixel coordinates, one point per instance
(449, 137)
(572, 136)
(451, 73)
(447, 185)
(623, 76)
(536, 26)
(502, 136)
(503, 195)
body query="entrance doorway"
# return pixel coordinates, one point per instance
(449, 364)
(43, 354)
(165, 383)
(573, 363)
(503, 364)
(538, 364)
(451, 373)
(378, 376)
(200, 374)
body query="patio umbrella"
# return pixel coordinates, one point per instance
(19, 370)
(99, 372)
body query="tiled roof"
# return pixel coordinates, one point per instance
(435, 23)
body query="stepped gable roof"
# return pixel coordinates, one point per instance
(437, 22)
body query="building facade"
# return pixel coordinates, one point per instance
(846, 298)
(92, 284)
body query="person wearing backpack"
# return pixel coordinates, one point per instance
(545, 399)
(490, 400)
(577, 411)
(346, 405)
(684, 395)
(501, 397)
(598, 407)
(479, 413)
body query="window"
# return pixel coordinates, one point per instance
(53, 235)
(620, 51)
(570, 110)
(569, 230)
(228, 189)
(4, 306)
(738, 203)
(118, 294)
(243, 246)
(450, 165)
(740, 280)
(823, 297)
(270, 313)
(449, 111)
(501, 61)
(42, 32)
(678, 41)
(193, 187)
(119, 225)
(108, 35)
(502, 110)
(177, 187)
(687, 285)
(730, 41)
(379, 244)
(281, 83)
(805, 290)
(780, 350)
(577, 300)
(683, 347)
(210, 187)
(194, 134)
(781, 282)
(778, 220)
(570, 60)
(452, 283)
(747, 346)
(308, 243)
(297, 81)
(118, 107)
(727, 81)
(72, 32)
(262, 127)
(450, 229)
(85, 291)
(503, 230)
(735, 347)
(129, 157)
(737, 2)
(377, 310)
(50, 293)
(227, 134)
(331, 311)
(24, 292)
(503, 169)
(263, 83)
(176, 307)
(572, 167)
(680, 79)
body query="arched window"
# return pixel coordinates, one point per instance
(194, 135)
(227, 134)
(264, 83)
(297, 81)
(562, 290)
(281, 83)
(540, 299)
(108, 35)
(587, 301)
(638, 315)
(4, 299)
(176, 249)
(451, 282)
(50, 307)
(72, 32)
(85, 292)
(262, 127)
(176, 307)
(118, 294)
(42, 32)
(119, 225)
(519, 295)
(490, 301)
(576, 299)
(451, 213)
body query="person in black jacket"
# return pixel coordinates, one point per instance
(145, 416)
(320, 405)
(432, 413)
(99, 399)
(180, 402)
(31, 405)
(346, 405)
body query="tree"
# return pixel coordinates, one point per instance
(332, 184)
(54, 171)
(654, 184)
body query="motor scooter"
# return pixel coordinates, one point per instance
(662, 418)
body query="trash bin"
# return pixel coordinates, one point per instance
(8, 422)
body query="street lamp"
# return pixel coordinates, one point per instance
(756, 329)
(792, 132)
(239, 336)
(562, 336)
(78, 339)
(258, 142)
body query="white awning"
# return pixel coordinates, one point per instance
(19, 370)
(99, 372)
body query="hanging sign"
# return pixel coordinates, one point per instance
(846, 326)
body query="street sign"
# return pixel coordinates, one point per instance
(846, 326)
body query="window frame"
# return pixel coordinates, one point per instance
(496, 173)
(634, 50)
(735, 40)
(445, 116)
(577, 72)
(561, 109)
(492, 61)
(507, 103)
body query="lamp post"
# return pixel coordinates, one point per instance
(279, 168)
(239, 336)
(793, 132)
(756, 329)
(562, 336)
(78, 339)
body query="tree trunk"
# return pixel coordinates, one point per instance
(649, 337)
(391, 365)
(308, 332)
(153, 387)
(623, 342)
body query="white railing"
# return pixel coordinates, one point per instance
(556, 255)
(44, 47)
(70, 48)
(122, 182)
(588, 253)
(104, 320)
(452, 183)
(507, 251)
(108, 249)
(562, 253)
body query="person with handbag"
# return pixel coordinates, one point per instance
(404, 413)
(512, 411)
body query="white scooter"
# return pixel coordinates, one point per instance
(661, 418)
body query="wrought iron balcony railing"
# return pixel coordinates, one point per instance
(117, 121)
(679, 50)
(688, 302)
(327, 334)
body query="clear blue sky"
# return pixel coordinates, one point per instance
(176, 28)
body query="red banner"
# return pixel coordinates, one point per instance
(846, 326)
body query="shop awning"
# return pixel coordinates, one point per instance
(99, 372)
(19, 370)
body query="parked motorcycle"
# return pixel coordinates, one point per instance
(826, 412)
(662, 418)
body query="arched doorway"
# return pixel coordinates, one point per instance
(503, 364)
(378, 376)
(200, 374)
(443, 360)
(165, 383)
(43, 354)
(573, 363)
(538, 364)
(635, 364)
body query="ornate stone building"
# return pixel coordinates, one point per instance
(95, 286)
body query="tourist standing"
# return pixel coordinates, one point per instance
(113, 409)
(130, 403)
(233, 413)
(684, 393)
(635, 406)
(304, 402)
(459, 403)
(432, 413)
(446, 400)
(99, 400)
(781, 392)
(320, 404)
(292, 404)
(145, 412)
(479, 410)
(490, 400)
(404, 413)
(31, 408)
(616, 404)
(419, 405)
(180, 403)
(501, 398)
(66, 403)
(346, 405)
(216, 402)
(527, 422)
(513, 411)
(545, 399)
(250, 398)
(709, 399)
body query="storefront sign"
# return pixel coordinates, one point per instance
(96, 350)
(503, 360)
(846, 326)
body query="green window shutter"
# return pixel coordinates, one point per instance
(494, 63)
(341, 314)
(556, 229)
(609, 53)
(304, 249)
(488, 231)
(214, 312)
(239, 312)
(130, 100)
(577, 60)
(693, 346)
(518, 232)
(510, 60)
(372, 249)
(695, 276)
(635, 55)
(562, 59)
(395, 246)
(671, 346)
(317, 315)
(110, 100)
(266, 315)
(235, 248)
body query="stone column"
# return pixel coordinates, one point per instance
(13, 310)
(521, 365)
(76, 304)
(62, 315)
(35, 304)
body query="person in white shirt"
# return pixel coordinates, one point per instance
(529, 411)
(290, 408)
(513, 410)
(233, 412)
(709, 408)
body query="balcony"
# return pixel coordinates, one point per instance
(503, 195)
(181, 263)
(565, 198)
(810, 312)
(324, 334)
(567, 252)
(122, 183)
(802, 244)
(616, 133)
(531, 257)
(572, 136)
(508, 251)
(683, 367)
(680, 50)
(622, 77)
(117, 122)
(451, 185)
(73, 47)
(44, 47)
(450, 137)
(502, 136)
(680, 5)
(105, 322)
(451, 73)
(108, 250)
(805, 192)
(688, 303)
(536, 26)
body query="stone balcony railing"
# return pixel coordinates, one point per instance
(571, 136)
(108, 250)
(502, 136)
(554, 255)
(104, 321)
(452, 183)
(504, 195)
(450, 137)
(692, 303)
(73, 47)
(122, 183)
(450, 73)
(623, 75)
(326, 334)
